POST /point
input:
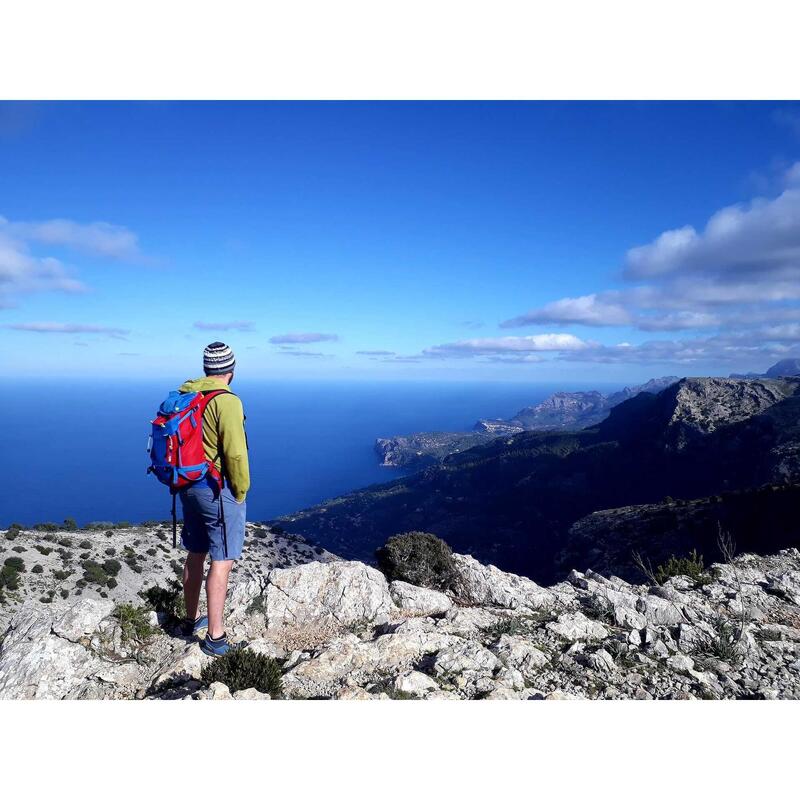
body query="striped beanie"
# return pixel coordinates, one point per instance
(218, 359)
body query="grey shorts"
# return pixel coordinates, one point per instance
(203, 530)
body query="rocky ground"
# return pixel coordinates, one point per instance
(119, 562)
(339, 630)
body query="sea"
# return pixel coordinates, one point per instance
(78, 449)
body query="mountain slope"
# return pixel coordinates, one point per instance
(562, 411)
(512, 500)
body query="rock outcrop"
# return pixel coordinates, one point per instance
(513, 501)
(564, 411)
(340, 631)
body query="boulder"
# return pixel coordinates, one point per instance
(577, 627)
(419, 600)
(465, 656)
(520, 654)
(341, 592)
(415, 683)
(82, 618)
(486, 585)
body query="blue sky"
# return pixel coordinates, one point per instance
(487, 241)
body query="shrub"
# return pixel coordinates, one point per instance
(37, 568)
(9, 578)
(112, 567)
(12, 534)
(94, 573)
(16, 526)
(65, 593)
(166, 600)
(419, 558)
(46, 526)
(110, 551)
(70, 524)
(15, 563)
(123, 524)
(19, 549)
(85, 545)
(45, 551)
(692, 567)
(133, 622)
(245, 669)
(112, 583)
(50, 537)
(65, 541)
(61, 574)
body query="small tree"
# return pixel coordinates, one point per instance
(419, 558)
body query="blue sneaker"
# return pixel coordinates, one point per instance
(195, 628)
(221, 646)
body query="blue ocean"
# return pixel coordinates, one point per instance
(79, 449)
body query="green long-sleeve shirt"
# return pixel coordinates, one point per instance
(224, 440)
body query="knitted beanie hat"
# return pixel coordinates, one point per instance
(218, 359)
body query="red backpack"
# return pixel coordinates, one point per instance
(176, 444)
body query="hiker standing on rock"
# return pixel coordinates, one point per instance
(211, 475)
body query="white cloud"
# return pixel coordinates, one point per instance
(68, 327)
(225, 326)
(304, 338)
(95, 238)
(590, 309)
(738, 277)
(22, 270)
(542, 342)
(756, 239)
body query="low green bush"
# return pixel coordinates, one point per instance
(134, 622)
(45, 551)
(692, 567)
(70, 524)
(15, 563)
(245, 669)
(37, 568)
(46, 526)
(419, 558)
(166, 599)
(112, 567)
(94, 573)
(12, 534)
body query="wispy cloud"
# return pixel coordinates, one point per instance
(225, 326)
(591, 309)
(740, 271)
(472, 324)
(95, 238)
(305, 354)
(24, 269)
(69, 328)
(542, 342)
(374, 352)
(304, 338)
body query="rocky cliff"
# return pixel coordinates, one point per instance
(339, 630)
(513, 500)
(566, 411)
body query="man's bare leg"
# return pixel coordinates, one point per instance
(193, 582)
(216, 590)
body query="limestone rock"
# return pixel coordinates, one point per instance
(486, 585)
(577, 626)
(419, 600)
(343, 592)
(520, 654)
(415, 683)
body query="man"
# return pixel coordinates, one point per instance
(214, 520)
